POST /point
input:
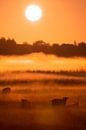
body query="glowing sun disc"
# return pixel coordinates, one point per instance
(33, 13)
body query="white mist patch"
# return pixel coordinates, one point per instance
(25, 62)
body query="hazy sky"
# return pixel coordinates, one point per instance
(63, 21)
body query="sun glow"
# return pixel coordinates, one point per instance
(33, 13)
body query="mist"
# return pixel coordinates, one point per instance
(40, 61)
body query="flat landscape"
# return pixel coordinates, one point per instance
(43, 65)
(28, 105)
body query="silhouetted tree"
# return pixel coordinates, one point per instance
(10, 47)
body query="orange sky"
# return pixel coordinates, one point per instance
(63, 21)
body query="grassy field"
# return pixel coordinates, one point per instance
(40, 114)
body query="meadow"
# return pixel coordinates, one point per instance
(39, 89)
(33, 84)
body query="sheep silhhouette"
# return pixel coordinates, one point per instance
(59, 101)
(6, 90)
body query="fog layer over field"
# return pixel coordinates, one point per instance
(41, 61)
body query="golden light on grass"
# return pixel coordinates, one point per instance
(33, 13)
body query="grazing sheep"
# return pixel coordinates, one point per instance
(25, 103)
(57, 101)
(6, 90)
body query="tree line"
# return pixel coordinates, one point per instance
(11, 47)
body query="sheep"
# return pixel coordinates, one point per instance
(57, 101)
(6, 90)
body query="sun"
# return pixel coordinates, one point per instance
(33, 13)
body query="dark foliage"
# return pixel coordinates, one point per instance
(10, 47)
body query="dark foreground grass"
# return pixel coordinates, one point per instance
(42, 118)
